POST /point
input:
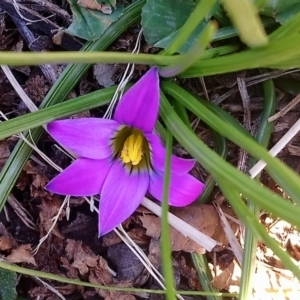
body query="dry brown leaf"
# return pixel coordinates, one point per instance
(152, 224)
(4, 153)
(202, 217)
(189, 273)
(111, 295)
(110, 239)
(228, 277)
(93, 4)
(48, 210)
(22, 255)
(6, 243)
(155, 253)
(71, 271)
(87, 261)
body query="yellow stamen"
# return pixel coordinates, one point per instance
(132, 151)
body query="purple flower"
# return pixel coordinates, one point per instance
(121, 159)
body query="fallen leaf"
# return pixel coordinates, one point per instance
(228, 277)
(111, 295)
(152, 224)
(22, 255)
(4, 153)
(155, 253)
(48, 210)
(6, 243)
(93, 4)
(85, 260)
(202, 217)
(91, 24)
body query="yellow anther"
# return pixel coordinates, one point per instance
(132, 151)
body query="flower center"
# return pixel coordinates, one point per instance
(132, 148)
(132, 151)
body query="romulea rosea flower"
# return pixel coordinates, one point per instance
(122, 158)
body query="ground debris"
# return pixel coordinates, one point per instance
(202, 217)
(22, 255)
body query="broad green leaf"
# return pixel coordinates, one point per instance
(162, 19)
(277, 6)
(287, 178)
(90, 24)
(165, 42)
(221, 169)
(288, 14)
(8, 281)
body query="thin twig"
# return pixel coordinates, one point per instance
(243, 155)
(285, 109)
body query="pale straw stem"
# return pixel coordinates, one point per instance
(259, 166)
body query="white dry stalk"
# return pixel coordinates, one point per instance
(21, 212)
(236, 247)
(259, 166)
(186, 229)
(15, 4)
(54, 220)
(286, 109)
(142, 257)
(28, 102)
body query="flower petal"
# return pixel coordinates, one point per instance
(184, 189)
(139, 105)
(84, 177)
(87, 137)
(178, 165)
(121, 194)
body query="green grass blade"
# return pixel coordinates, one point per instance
(76, 282)
(290, 28)
(245, 18)
(215, 165)
(197, 51)
(204, 274)
(198, 14)
(250, 220)
(222, 150)
(233, 183)
(166, 251)
(276, 53)
(263, 137)
(46, 115)
(281, 173)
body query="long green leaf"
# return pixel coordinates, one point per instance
(215, 165)
(263, 137)
(281, 173)
(46, 115)
(253, 224)
(166, 252)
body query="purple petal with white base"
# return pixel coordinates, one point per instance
(178, 165)
(86, 137)
(139, 105)
(184, 189)
(121, 194)
(84, 177)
